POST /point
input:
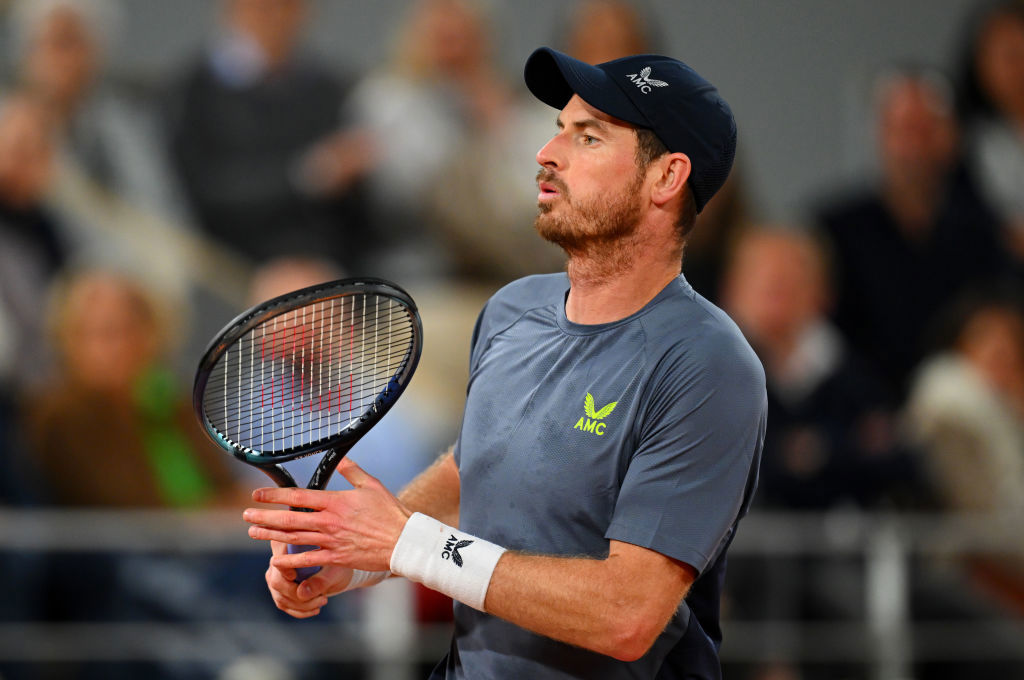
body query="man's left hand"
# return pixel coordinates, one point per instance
(357, 529)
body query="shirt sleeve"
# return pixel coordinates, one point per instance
(475, 350)
(699, 443)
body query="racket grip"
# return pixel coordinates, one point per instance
(302, 573)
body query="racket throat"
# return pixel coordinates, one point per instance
(325, 469)
(279, 475)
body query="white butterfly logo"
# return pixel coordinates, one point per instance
(645, 75)
(644, 81)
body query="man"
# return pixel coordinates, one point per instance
(833, 440)
(613, 423)
(31, 254)
(903, 249)
(253, 135)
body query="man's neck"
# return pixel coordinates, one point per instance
(603, 291)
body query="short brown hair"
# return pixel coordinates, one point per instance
(648, 149)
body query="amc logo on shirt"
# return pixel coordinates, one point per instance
(591, 420)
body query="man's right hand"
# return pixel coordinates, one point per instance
(303, 600)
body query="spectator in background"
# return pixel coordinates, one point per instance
(992, 109)
(31, 249)
(452, 183)
(31, 252)
(249, 126)
(113, 427)
(832, 440)
(966, 412)
(111, 193)
(106, 137)
(602, 30)
(906, 246)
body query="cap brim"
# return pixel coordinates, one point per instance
(554, 78)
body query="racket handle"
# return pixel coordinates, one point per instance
(303, 572)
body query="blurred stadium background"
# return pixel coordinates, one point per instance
(145, 209)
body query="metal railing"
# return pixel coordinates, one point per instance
(382, 633)
(890, 551)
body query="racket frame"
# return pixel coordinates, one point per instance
(337, 445)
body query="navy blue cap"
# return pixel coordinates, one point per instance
(648, 90)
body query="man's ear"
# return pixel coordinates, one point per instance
(673, 170)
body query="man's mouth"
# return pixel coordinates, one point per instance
(550, 188)
(547, 191)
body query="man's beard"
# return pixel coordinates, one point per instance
(590, 228)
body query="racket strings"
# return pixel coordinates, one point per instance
(337, 407)
(311, 378)
(309, 373)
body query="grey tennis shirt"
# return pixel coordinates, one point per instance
(647, 430)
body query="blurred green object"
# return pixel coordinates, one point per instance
(177, 471)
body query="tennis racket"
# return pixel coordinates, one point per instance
(308, 372)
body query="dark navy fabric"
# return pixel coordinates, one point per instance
(647, 430)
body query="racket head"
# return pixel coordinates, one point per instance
(307, 371)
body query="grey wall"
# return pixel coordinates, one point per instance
(791, 69)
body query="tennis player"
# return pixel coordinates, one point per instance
(613, 421)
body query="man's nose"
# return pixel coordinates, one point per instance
(549, 155)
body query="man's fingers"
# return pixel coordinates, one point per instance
(298, 613)
(328, 581)
(288, 537)
(289, 598)
(312, 587)
(356, 475)
(281, 580)
(293, 497)
(287, 593)
(300, 609)
(310, 558)
(299, 604)
(283, 520)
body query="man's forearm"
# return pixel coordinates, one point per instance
(435, 491)
(616, 606)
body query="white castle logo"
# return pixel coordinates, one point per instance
(644, 81)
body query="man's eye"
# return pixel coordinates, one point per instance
(587, 139)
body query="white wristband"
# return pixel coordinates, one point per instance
(445, 559)
(365, 579)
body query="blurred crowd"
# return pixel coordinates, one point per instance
(134, 222)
